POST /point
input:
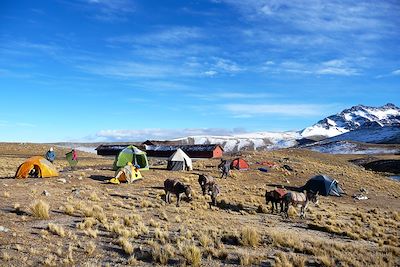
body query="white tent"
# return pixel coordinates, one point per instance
(179, 161)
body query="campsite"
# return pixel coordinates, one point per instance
(90, 222)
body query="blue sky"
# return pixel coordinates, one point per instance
(96, 70)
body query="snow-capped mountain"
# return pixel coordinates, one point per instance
(248, 141)
(359, 123)
(354, 118)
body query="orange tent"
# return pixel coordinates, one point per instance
(41, 166)
(239, 164)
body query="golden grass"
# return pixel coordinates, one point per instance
(87, 223)
(40, 209)
(5, 256)
(91, 232)
(126, 246)
(249, 237)
(204, 240)
(90, 248)
(153, 223)
(162, 236)
(191, 253)
(56, 229)
(69, 209)
(94, 197)
(162, 254)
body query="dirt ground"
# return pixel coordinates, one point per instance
(93, 223)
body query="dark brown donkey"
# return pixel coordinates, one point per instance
(275, 197)
(173, 186)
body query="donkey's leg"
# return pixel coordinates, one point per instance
(302, 212)
(178, 199)
(166, 196)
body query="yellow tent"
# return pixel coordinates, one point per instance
(128, 174)
(37, 166)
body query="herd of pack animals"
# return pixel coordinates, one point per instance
(278, 196)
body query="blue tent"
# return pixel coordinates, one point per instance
(324, 185)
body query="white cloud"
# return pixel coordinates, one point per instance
(210, 73)
(396, 72)
(170, 35)
(338, 67)
(111, 10)
(227, 65)
(294, 110)
(161, 134)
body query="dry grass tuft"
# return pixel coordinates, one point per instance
(132, 261)
(91, 232)
(153, 223)
(6, 194)
(145, 203)
(143, 229)
(162, 254)
(281, 260)
(164, 216)
(162, 236)
(192, 254)
(69, 209)
(87, 223)
(5, 256)
(90, 248)
(56, 229)
(249, 237)
(246, 259)
(94, 197)
(126, 246)
(40, 209)
(204, 240)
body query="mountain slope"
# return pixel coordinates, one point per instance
(248, 141)
(359, 123)
(354, 118)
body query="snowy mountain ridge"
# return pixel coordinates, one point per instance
(250, 141)
(359, 123)
(354, 118)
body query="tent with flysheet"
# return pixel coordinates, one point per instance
(239, 164)
(324, 185)
(134, 155)
(179, 161)
(36, 166)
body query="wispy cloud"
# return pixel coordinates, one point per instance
(132, 69)
(169, 35)
(293, 110)
(111, 10)
(320, 15)
(339, 67)
(157, 133)
(8, 124)
(233, 95)
(396, 72)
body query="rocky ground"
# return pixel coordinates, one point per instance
(82, 220)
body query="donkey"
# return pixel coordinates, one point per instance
(173, 186)
(276, 197)
(225, 168)
(213, 191)
(204, 181)
(299, 199)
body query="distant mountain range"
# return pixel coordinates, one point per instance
(378, 125)
(356, 117)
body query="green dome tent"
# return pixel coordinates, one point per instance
(131, 154)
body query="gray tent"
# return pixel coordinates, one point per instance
(179, 161)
